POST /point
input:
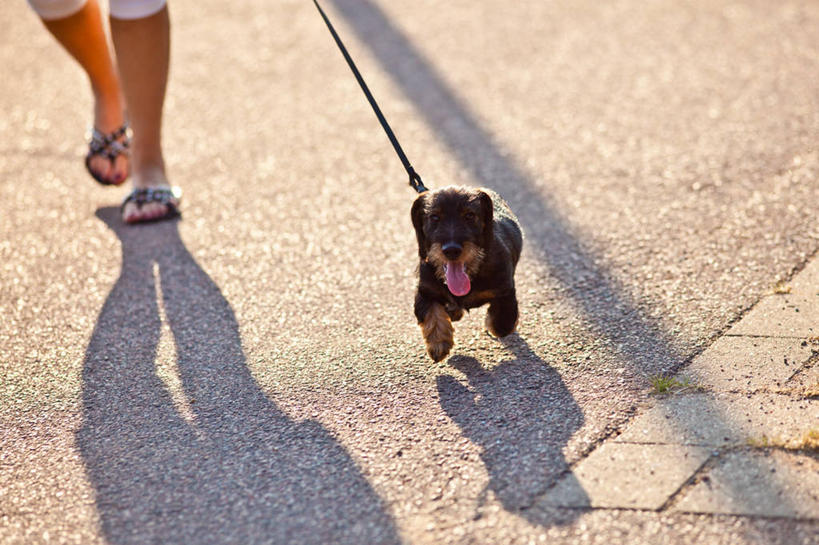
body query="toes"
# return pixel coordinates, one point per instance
(130, 213)
(147, 212)
(119, 170)
(100, 166)
(114, 172)
(154, 210)
(135, 214)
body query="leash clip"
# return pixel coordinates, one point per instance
(415, 181)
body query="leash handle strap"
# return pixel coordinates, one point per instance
(414, 179)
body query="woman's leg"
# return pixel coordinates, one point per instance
(81, 33)
(143, 52)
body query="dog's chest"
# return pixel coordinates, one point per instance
(473, 299)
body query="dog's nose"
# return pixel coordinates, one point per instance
(452, 250)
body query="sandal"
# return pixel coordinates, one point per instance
(169, 196)
(110, 146)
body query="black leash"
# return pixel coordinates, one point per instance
(414, 179)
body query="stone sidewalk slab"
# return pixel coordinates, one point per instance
(756, 377)
(787, 315)
(748, 364)
(806, 381)
(806, 282)
(627, 476)
(754, 483)
(720, 420)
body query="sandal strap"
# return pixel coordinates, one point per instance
(110, 144)
(168, 196)
(117, 148)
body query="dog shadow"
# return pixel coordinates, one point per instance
(229, 468)
(522, 415)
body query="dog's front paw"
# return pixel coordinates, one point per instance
(499, 331)
(437, 330)
(502, 317)
(440, 350)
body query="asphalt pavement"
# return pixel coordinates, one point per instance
(253, 373)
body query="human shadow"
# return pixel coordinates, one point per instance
(521, 415)
(233, 468)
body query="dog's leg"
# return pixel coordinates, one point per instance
(502, 316)
(436, 328)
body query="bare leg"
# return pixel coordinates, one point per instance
(143, 57)
(83, 36)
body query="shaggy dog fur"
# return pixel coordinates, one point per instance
(469, 243)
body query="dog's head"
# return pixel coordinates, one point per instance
(454, 230)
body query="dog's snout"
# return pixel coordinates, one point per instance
(452, 250)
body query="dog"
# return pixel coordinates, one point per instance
(469, 243)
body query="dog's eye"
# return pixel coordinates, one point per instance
(434, 218)
(469, 216)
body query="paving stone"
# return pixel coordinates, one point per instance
(789, 315)
(806, 282)
(628, 476)
(722, 419)
(748, 363)
(784, 315)
(806, 381)
(771, 484)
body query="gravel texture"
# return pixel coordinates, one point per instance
(254, 374)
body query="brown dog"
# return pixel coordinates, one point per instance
(469, 242)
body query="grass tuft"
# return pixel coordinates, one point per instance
(763, 442)
(809, 441)
(781, 288)
(665, 385)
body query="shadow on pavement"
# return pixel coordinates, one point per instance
(522, 416)
(605, 304)
(609, 310)
(230, 468)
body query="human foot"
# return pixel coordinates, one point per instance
(152, 199)
(108, 154)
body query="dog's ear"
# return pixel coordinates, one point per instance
(487, 217)
(418, 211)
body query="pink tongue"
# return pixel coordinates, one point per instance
(456, 279)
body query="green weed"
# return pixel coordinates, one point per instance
(665, 385)
(807, 441)
(781, 288)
